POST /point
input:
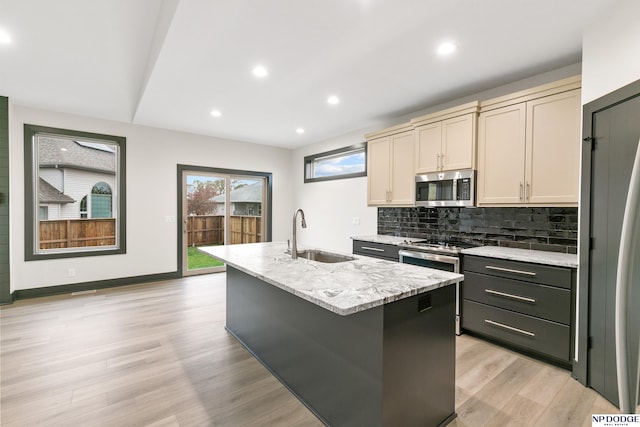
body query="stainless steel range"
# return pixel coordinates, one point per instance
(439, 255)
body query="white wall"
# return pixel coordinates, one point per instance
(152, 156)
(330, 207)
(611, 51)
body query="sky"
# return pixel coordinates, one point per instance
(339, 165)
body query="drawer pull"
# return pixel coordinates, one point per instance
(509, 270)
(372, 249)
(517, 297)
(510, 328)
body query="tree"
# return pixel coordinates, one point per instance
(199, 199)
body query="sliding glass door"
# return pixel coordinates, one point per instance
(219, 209)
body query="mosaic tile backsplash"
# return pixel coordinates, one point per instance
(547, 229)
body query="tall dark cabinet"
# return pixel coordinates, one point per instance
(611, 131)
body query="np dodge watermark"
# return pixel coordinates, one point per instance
(615, 420)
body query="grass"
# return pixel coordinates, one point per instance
(197, 259)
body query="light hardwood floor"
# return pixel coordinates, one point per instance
(157, 354)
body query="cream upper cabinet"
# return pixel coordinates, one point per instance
(529, 152)
(446, 140)
(428, 147)
(390, 173)
(459, 143)
(402, 173)
(501, 155)
(378, 170)
(553, 149)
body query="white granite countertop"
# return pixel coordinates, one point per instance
(343, 288)
(389, 240)
(537, 257)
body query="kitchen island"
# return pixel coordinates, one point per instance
(361, 342)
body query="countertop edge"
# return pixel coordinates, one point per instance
(555, 259)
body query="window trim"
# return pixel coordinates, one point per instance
(308, 160)
(31, 219)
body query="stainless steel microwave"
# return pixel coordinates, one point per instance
(441, 189)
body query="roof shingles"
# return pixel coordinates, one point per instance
(62, 152)
(47, 193)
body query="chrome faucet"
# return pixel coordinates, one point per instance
(294, 244)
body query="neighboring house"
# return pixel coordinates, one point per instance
(50, 200)
(245, 201)
(76, 179)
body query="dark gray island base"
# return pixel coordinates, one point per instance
(390, 365)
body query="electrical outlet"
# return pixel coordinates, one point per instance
(356, 221)
(170, 218)
(71, 272)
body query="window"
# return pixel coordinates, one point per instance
(347, 162)
(101, 201)
(83, 207)
(43, 213)
(75, 199)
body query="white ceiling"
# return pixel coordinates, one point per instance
(169, 63)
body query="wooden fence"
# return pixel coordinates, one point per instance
(209, 229)
(201, 230)
(77, 233)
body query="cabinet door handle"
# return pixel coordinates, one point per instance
(369, 248)
(509, 270)
(438, 162)
(521, 191)
(510, 328)
(441, 161)
(516, 297)
(527, 193)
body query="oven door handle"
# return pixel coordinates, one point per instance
(430, 257)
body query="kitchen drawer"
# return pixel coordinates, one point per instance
(376, 250)
(543, 301)
(535, 273)
(541, 336)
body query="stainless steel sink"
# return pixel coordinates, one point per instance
(326, 257)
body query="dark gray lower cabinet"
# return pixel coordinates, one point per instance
(376, 250)
(391, 365)
(523, 305)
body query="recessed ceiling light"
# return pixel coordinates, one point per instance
(300, 130)
(260, 71)
(446, 48)
(333, 100)
(5, 38)
(216, 113)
